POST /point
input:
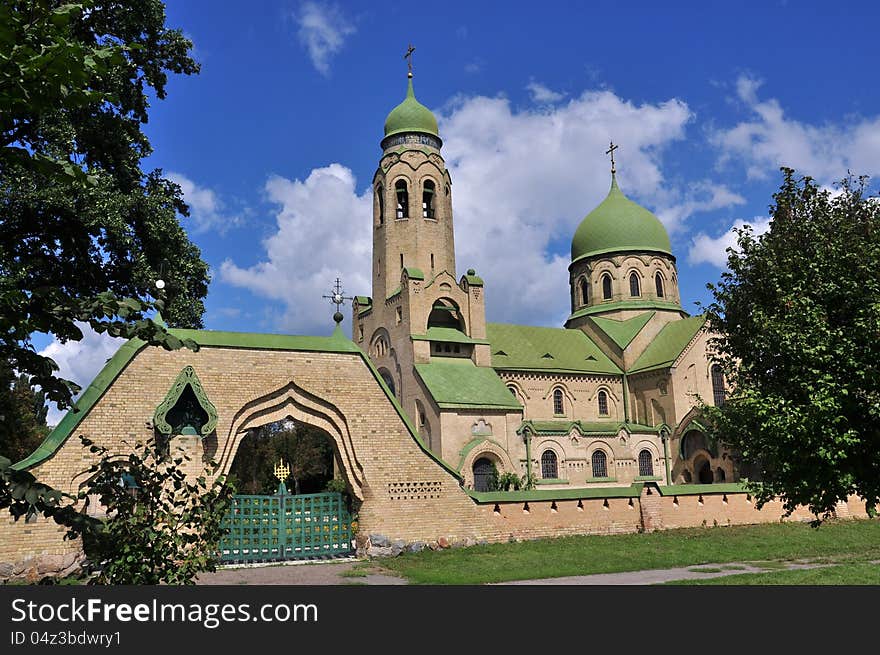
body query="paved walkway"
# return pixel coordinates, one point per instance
(334, 573)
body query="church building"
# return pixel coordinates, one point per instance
(606, 400)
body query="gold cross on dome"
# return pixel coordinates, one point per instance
(610, 151)
(408, 57)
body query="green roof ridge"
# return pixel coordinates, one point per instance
(627, 304)
(669, 343)
(623, 332)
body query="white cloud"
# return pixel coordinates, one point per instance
(701, 196)
(714, 250)
(323, 233)
(475, 66)
(543, 95)
(771, 139)
(80, 361)
(206, 210)
(323, 29)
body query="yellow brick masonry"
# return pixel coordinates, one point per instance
(407, 494)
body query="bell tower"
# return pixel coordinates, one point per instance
(412, 199)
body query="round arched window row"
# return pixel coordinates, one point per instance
(549, 465)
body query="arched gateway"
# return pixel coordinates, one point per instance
(242, 381)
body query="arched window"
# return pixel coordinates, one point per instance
(389, 381)
(585, 291)
(380, 196)
(428, 199)
(658, 282)
(484, 475)
(402, 199)
(549, 466)
(634, 289)
(603, 403)
(606, 287)
(512, 390)
(718, 391)
(600, 464)
(646, 463)
(558, 407)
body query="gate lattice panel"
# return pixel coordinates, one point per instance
(285, 527)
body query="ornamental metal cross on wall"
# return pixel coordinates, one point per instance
(408, 57)
(610, 151)
(337, 297)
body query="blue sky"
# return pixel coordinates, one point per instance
(276, 141)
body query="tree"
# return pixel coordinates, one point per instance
(798, 317)
(84, 232)
(22, 415)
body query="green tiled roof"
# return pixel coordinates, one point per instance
(668, 344)
(623, 332)
(473, 279)
(460, 383)
(627, 304)
(523, 347)
(585, 428)
(414, 273)
(446, 335)
(534, 495)
(410, 116)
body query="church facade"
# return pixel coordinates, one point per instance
(606, 400)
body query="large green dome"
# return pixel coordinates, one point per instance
(619, 224)
(411, 116)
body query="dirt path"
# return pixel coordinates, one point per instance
(336, 573)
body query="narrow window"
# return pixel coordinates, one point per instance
(658, 281)
(512, 390)
(603, 403)
(402, 199)
(401, 261)
(646, 463)
(600, 464)
(634, 290)
(557, 402)
(380, 196)
(428, 199)
(585, 292)
(549, 467)
(432, 261)
(606, 287)
(718, 391)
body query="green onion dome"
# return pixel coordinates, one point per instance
(411, 116)
(619, 224)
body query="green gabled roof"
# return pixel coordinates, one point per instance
(523, 347)
(623, 332)
(473, 279)
(616, 225)
(665, 348)
(414, 273)
(460, 383)
(446, 335)
(364, 301)
(584, 427)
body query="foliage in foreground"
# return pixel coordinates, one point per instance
(159, 526)
(798, 319)
(85, 231)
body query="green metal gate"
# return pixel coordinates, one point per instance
(285, 527)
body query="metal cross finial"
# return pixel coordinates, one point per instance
(282, 471)
(408, 57)
(337, 297)
(610, 151)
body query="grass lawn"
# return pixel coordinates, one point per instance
(583, 555)
(855, 573)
